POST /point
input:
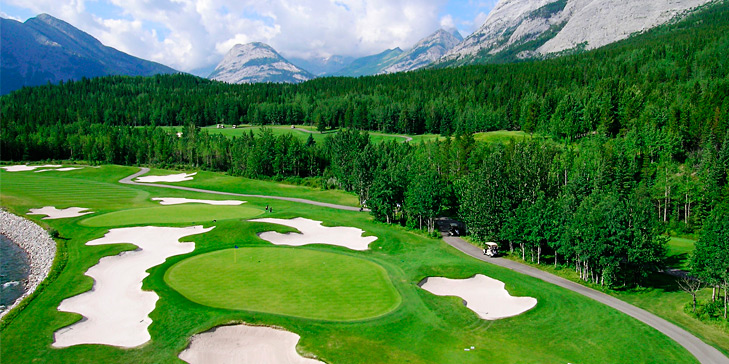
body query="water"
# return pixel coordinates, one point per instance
(13, 272)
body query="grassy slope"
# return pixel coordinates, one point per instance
(563, 327)
(295, 282)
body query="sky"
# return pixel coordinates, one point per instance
(192, 34)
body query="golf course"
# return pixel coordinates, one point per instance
(347, 306)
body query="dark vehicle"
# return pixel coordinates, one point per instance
(454, 231)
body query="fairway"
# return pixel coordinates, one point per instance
(192, 213)
(293, 282)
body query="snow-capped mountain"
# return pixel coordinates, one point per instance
(533, 28)
(255, 63)
(426, 51)
(45, 49)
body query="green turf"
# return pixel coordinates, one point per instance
(293, 282)
(174, 214)
(679, 252)
(500, 136)
(221, 182)
(564, 327)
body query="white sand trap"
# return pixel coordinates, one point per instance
(244, 344)
(180, 177)
(177, 201)
(65, 169)
(484, 295)
(54, 213)
(25, 167)
(312, 232)
(116, 310)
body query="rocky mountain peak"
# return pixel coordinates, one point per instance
(535, 28)
(255, 63)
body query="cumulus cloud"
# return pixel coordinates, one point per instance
(190, 34)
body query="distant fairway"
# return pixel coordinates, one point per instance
(294, 282)
(61, 189)
(188, 213)
(302, 132)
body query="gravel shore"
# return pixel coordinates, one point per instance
(36, 242)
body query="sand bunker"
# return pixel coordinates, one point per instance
(66, 169)
(25, 167)
(116, 310)
(312, 232)
(177, 201)
(244, 344)
(484, 295)
(168, 178)
(54, 213)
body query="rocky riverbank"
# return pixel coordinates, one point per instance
(36, 242)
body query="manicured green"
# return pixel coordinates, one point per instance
(424, 328)
(174, 214)
(293, 282)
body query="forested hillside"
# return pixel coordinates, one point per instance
(633, 139)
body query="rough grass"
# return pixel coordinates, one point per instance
(293, 282)
(563, 327)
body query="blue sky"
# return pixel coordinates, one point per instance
(193, 34)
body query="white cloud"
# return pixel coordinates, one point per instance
(447, 22)
(189, 34)
(6, 16)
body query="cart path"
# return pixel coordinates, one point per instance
(705, 353)
(145, 170)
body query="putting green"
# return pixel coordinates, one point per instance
(188, 213)
(294, 282)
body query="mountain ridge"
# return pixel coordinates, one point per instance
(46, 49)
(522, 29)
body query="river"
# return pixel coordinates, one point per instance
(14, 270)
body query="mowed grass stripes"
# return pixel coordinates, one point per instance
(46, 190)
(293, 282)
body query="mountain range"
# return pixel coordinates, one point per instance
(45, 49)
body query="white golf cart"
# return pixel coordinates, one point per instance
(491, 249)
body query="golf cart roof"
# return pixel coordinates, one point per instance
(491, 243)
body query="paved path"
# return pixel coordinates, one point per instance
(144, 170)
(703, 352)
